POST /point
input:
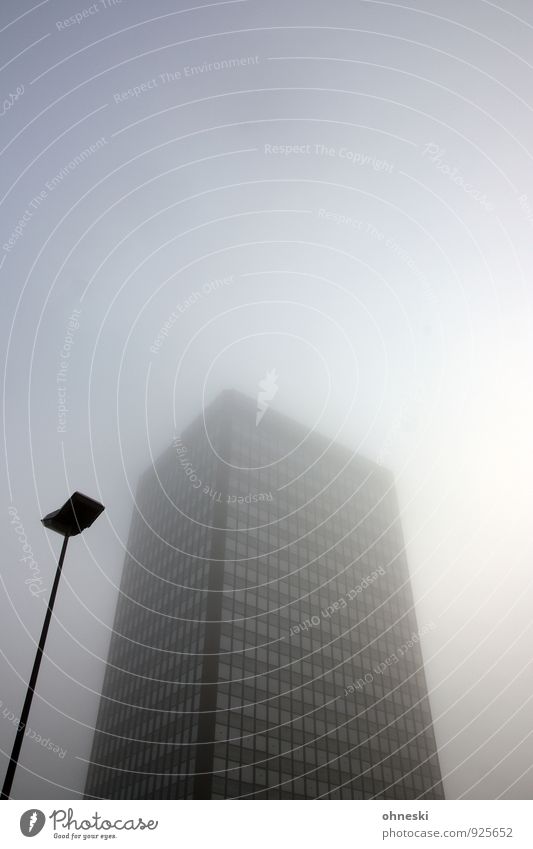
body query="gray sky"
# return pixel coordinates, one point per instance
(359, 186)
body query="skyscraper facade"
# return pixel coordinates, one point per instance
(265, 642)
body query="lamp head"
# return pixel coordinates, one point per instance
(76, 514)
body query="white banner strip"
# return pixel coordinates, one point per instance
(263, 825)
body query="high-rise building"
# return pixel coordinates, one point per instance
(265, 643)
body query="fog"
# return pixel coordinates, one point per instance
(193, 196)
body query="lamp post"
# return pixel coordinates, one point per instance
(77, 514)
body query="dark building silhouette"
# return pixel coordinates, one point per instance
(265, 642)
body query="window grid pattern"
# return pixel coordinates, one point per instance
(300, 534)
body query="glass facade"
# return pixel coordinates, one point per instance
(265, 642)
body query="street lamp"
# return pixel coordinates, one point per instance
(77, 514)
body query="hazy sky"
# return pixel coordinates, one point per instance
(338, 190)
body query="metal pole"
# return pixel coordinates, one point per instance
(10, 774)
